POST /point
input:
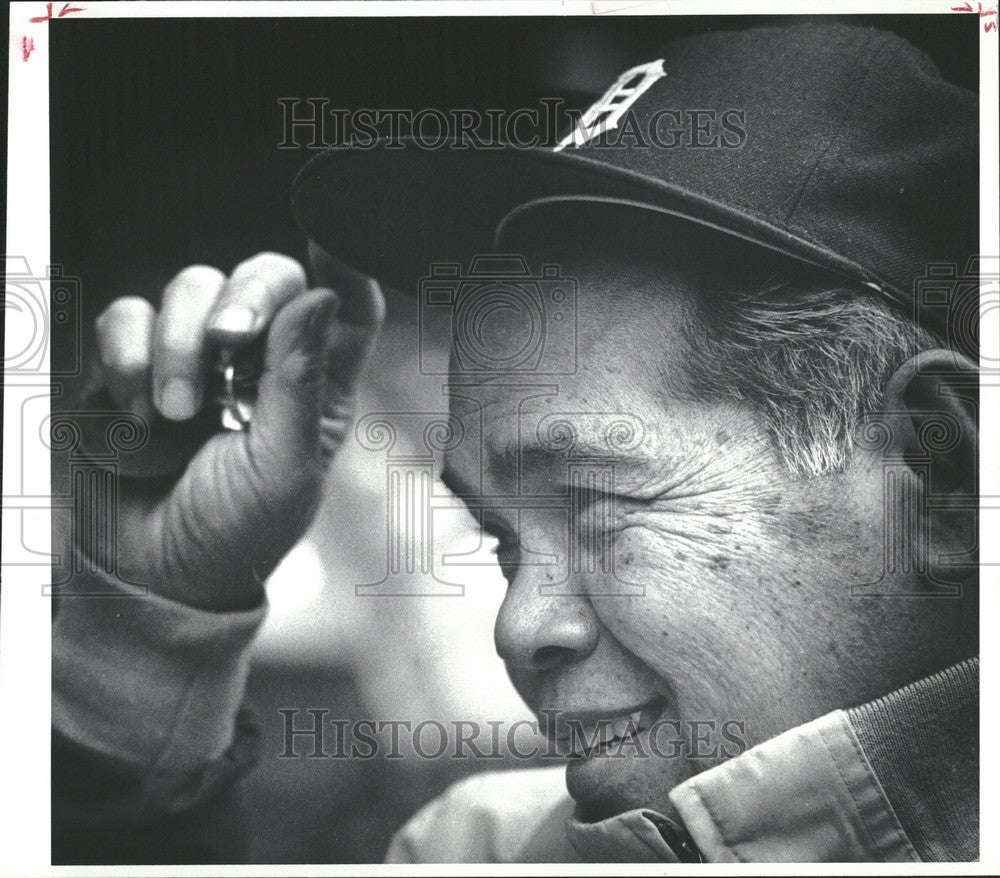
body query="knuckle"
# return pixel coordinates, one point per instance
(180, 349)
(123, 310)
(285, 481)
(273, 268)
(196, 281)
(127, 361)
(123, 343)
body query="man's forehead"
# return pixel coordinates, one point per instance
(535, 444)
(609, 378)
(531, 462)
(593, 318)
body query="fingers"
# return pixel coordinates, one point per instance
(179, 341)
(314, 355)
(199, 305)
(285, 435)
(256, 291)
(124, 343)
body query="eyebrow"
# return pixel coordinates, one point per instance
(538, 458)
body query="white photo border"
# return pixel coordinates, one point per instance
(25, 616)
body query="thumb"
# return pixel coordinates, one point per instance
(359, 319)
(284, 434)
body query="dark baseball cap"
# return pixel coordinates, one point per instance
(857, 157)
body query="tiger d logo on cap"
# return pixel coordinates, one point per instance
(608, 111)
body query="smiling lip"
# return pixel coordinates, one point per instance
(581, 735)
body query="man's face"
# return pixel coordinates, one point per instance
(680, 571)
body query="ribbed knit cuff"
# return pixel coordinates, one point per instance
(923, 743)
(149, 680)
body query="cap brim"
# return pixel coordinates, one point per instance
(393, 210)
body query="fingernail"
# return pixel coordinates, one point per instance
(177, 399)
(234, 320)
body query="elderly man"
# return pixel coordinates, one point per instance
(781, 538)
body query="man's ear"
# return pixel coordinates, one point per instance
(931, 407)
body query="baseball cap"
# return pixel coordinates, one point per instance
(858, 157)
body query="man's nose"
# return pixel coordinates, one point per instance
(536, 632)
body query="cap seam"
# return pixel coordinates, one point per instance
(837, 139)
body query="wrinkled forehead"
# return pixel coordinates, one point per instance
(578, 294)
(521, 436)
(570, 344)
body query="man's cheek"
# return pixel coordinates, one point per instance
(689, 622)
(700, 560)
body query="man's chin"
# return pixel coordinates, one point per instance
(604, 786)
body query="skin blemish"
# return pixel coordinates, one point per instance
(722, 437)
(719, 562)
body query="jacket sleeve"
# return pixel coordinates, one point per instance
(149, 737)
(106, 811)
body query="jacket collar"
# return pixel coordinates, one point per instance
(808, 795)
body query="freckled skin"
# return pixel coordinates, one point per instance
(745, 571)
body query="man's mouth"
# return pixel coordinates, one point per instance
(583, 735)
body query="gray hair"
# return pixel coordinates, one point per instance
(812, 361)
(809, 351)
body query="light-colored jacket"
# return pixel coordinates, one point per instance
(892, 781)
